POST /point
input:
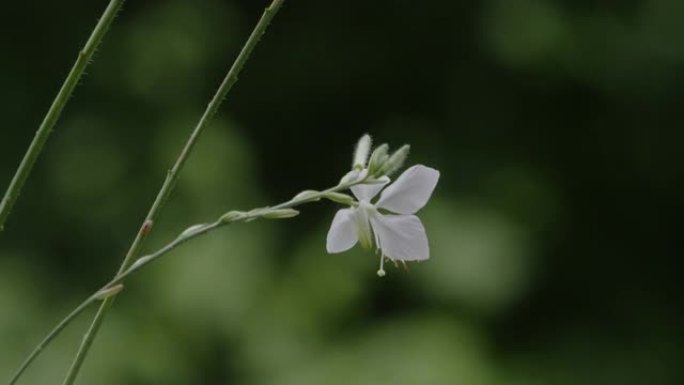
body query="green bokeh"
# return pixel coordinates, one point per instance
(555, 230)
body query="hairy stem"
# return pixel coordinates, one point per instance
(41, 136)
(171, 178)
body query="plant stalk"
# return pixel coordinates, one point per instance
(186, 236)
(53, 114)
(171, 178)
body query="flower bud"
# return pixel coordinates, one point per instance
(361, 153)
(339, 198)
(350, 177)
(377, 180)
(307, 195)
(191, 230)
(232, 216)
(279, 213)
(395, 161)
(378, 159)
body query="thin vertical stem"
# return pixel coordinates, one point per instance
(36, 146)
(171, 178)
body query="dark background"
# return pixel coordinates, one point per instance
(555, 229)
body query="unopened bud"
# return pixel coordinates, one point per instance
(378, 159)
(380, 180)
(395, 161)
(307, 195)
(190, 231)
(350, 177)
(339, 198)
(279, 213)
(232, 216)
(361, 153)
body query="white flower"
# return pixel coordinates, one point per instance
(400, 236)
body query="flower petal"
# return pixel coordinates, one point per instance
(401, 237)
(411, 191)
(342, 235)
(366, 192)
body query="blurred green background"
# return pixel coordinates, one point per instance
(555, 229)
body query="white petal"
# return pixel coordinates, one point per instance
(366, 192)
(411, 191)
(342, 235)
(401, 237)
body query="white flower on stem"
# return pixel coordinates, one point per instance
(399, 236)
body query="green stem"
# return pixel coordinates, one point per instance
(205, 228)
(143, 261)
(41, 136)
(172, 176)
(62, 324)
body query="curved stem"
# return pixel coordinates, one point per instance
(203, 229)
(172, 176)
(41, 136)
(106, 292)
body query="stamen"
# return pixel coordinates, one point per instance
(381, 271)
